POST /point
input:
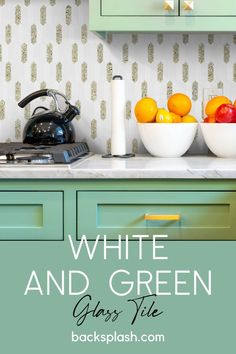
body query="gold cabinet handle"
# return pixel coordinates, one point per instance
(169, 5)
(188, 5)
(175, 217)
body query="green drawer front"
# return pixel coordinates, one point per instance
(31, 215)
(136, 8)
(203, 215)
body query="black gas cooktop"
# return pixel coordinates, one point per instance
(19, 153)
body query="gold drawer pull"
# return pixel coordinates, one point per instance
(175, 217)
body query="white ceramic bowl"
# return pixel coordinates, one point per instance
(167, 139)
(220, 138)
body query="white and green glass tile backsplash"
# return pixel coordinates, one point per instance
(47, 44)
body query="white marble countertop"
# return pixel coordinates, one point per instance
(141, 166)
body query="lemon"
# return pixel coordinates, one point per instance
(163, 116)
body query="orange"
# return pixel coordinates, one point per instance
(189, 119)
(209, 120)
(146, 110)
(214, 103)
(163, 116)
(179, 104)
(176, 118)
(235, 103)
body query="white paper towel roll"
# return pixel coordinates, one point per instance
(118, 141)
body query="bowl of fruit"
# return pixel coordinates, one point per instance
(219, 127)
(166, 133)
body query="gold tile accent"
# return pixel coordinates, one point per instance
(125, 53)
(18, 129)
(59, 34)
(68, 90)
(185, 72)
(93, 91)
(49, 53)
(2, 2)
(84, 71)
(201, 53)
(210, 38)
(94, 129)
(234, 72)
(43, 15)
(24, 53)
(226, 53)
(52, 2)
(33, 34)
(220, 85)
(59, 72)
(176, 53)
(27, 114)
(109, 38)
(195, 91)
(128, 110)
(185, 38)
(234, 38)
(169, 90)
(8, 34)
(109, 72)
(103, 110)
(18, 91)
(109, 146)
(2, 109)
(74, 53)
(160, 38)
(43, 85)
(134, 38)
(77, 2)
(144, 89)
(18, 15)
(33, 72)
(78, 104)
(135, 72)
(27, 2)
(211, 72)
(100, 53)
(8, 72)
(84, 34)
(150, 53)
(68, 15)
(134, 146)
(160, 72)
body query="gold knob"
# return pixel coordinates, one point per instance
(188, 5)
(169, 5)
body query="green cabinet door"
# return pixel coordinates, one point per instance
(31, 215)
(182, 215)
(137, 8)
(208, 8)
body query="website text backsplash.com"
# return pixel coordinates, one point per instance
(117, 337)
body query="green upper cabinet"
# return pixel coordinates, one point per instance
(137, 8)
(162, 15)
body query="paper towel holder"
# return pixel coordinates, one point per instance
(127, 155)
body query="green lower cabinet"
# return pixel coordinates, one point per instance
(31, 215)
(182, 215)
(44, 210)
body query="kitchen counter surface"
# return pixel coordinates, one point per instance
(141, 166)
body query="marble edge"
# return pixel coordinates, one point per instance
(117, 174)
